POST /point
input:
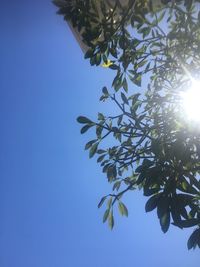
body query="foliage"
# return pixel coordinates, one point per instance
(154, 147)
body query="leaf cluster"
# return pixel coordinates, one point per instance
(154, 148)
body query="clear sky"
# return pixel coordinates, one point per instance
(49, 189)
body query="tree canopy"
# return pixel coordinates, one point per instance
(153, 48)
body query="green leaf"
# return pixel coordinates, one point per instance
(117, 82)
(82, 119)
(89, 53)
(125, 85)
(194, 239)
(163, 206)
(85, 128)
(165, 221)
(137, 79)
(187, 223)
(98, 59)
(101, 158)
(109, 203)
(124, 98)
(102, 201)
(151, 191)
(105, 90)
(142, 63)
(111, 220)
(101, 151)
(105, 216)
(111, 172)
(99, 130)
(93, 150)
(114, 67)
(90, 143)
(175, 211)
(152, 203)
(116, 185)
(122, 209)
(101, 116)
(103, 98)
(145, 31)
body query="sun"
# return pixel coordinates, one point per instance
(191, 102)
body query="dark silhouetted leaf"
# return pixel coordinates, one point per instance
(85, 128)
(82, 119)
(194, 239)
(165, 221)
(93, 150)
(152, 203)
(101, 201)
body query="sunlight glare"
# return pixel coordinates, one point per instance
(191, 102)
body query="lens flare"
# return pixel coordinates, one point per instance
(191, 102)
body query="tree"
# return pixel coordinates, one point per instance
(155, 148)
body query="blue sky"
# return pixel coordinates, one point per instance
(49, 189)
